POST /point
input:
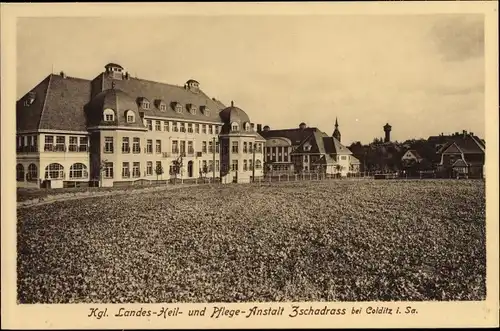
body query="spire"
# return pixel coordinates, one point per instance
(336, 122)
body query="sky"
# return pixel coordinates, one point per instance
(422, 74)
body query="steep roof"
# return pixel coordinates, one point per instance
(333, 146)
(169, 94)
(296, 136)
(467, 144)
(414, 152)
(59, 105)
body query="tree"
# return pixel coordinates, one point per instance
(203, 171)
(159, 170)
(178, 164)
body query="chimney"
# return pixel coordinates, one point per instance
(259, 127)
(232, 103)
(63, 75)
(266, 128)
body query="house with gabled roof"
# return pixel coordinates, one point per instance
(462, 154)
(306, 149)
(120, 130)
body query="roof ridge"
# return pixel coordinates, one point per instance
(49, 77)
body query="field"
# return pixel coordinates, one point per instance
(337, 240)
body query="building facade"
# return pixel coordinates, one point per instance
(305, 150)
(118, 130)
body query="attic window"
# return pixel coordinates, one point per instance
(234, 126)
(130, 117)
(163, 107)
(178, 108)
(109, 115)
(30, 99)
(192, 109)
(307, 147)
(247, 126)
(145, 104)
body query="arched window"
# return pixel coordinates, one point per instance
(258, 164)
(32, 172)
(130, 116)
(109, 115)
(54, 171)
(77, 171)
(234, 126)
(20, 172)
(247, 126)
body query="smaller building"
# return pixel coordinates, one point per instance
(411, 156)
(462, 155)
(306, 150)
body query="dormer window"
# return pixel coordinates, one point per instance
(205, 110)
(30, 99)
(193, 109)
(247, 126)
(178, 108)
(144, 103)
(130, 116)
(160, 105)
(307, 147)
(109, 115)
(234, 126)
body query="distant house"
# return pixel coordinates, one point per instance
(463, 154)
(411, 155)
(305, 149)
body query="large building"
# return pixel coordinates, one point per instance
(305, 149)
(119, 130)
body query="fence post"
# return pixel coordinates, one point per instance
(279, 177)
(288, 177)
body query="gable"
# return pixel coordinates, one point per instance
(28, 117)
(452, 149)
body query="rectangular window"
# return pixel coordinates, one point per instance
(210, 146)
(250, 165)
(203, 146)
(245, 166)
(210, 129)
(60, 144)
(125, 170)
(136, 169)
(204, 167)
(196, 128)
(190, 148)
(149, 124)
(108, 170)
(158, 126)
(217, 147)
(259, 148)
(125, 145)
(217, 129)
(163, 107)
(175, 147)
(245, 150)
(190, 128)
(211, 165)
(183, 127)
(183, 147)
(149, 168)
(108, 145)
(136, 145)
(73, 144)
(204, 129)
(84, 144)
(158, 146)
(166, 127)
(234, 147)
(250, 147)
(130, 118)
(108, 117)
(174, 127)
(234, 165)
(149, 146)
(217, 165)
